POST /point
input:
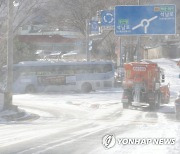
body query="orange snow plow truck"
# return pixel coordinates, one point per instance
(143, 85)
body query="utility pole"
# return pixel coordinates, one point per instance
(8, 94)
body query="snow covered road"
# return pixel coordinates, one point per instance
(76, 123)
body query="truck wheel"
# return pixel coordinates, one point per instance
(30, 89)
(125, 105)
(86, 87)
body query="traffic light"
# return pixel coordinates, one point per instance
(90, 45)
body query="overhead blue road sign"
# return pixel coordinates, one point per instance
(145, 20)
(107, 18)
(94, 27)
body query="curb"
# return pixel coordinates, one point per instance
(20, 116)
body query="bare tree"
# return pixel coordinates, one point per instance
(23, 13)
(73, 13)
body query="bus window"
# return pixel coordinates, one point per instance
(85, 69)
(67, 70)
(45, 70)
(107, 68)
(98, 69)
(102, 68)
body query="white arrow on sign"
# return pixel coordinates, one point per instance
(145, 23)
(111, 17)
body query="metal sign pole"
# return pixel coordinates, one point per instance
(121, 55)
(121, 59)
(138, 56)
(118, 52)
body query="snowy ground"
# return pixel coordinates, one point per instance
(76, 123)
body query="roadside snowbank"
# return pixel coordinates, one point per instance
(172, 72)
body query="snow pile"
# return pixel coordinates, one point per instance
(172, 72)
(5, 114)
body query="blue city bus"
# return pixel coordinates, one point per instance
(40, 76)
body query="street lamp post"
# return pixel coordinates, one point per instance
(87, 41)
(8, 94)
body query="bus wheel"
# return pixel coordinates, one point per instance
(86, 87)
(30, 89)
